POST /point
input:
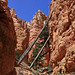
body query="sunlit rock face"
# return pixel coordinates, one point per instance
(7, 40)
(36, 25)
(22, 33)
(62, 36)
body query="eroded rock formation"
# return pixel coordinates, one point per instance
(26, 32)
(7, 40)
(62, 36)
(36, 25)
(22, 33)
(61, 31)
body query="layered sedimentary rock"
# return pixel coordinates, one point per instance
(62, 36)
(22, 33)
(7, 40)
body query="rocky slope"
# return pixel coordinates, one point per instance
(7, 40)
(62, 36)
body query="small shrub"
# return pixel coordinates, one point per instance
(17, 55)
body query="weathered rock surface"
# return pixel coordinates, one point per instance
(61, 31)
(20, 71)
(62, 36)
(26, 32)
(7, 40)
(22, 33)
(36, 25)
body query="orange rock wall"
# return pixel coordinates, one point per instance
(26, 32)
(62, 36)
(46, 57)
(7, 40)
(22, 33)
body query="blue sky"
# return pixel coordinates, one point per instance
(25, 9)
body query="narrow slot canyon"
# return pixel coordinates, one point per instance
(16, 35)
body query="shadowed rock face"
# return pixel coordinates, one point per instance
(62, 36)
(7, 40)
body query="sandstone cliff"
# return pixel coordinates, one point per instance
(62, 36)
(7, 40)
(22, 33)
